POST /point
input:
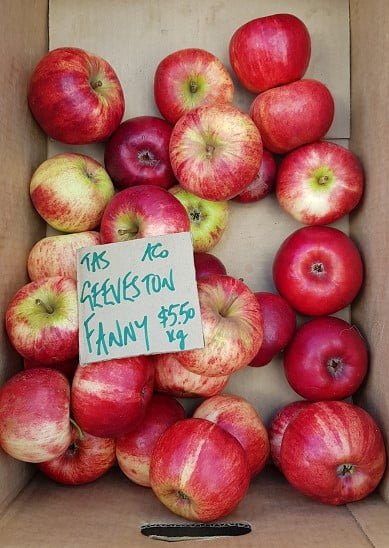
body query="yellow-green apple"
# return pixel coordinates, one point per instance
(70, 191)
(190, 78)
(75, 96)
(138, 153)
(133, 451)
(109, 398)
(67, 367)
(85, 460)
(42, 320)
(293, 115)
(263, 183)
(34, 415)
(239, 418)
(57, 255)
(208, 219)
(174, 379)
(232, 327)
(207, 264)
(319, 183)
(215, 151)
(141, 211)
(198, 470)
(269, 51)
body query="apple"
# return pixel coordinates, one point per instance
(42, 320)
(293, 115)
(57, 255)
(319, 183)
(334, 452)
(138, 153)
(232, 327)
(263, 183)
(70, 191)
(34, 415)
(109, 398)
(133, 451)
(207, 264)
(85, 460)
(174, 379)
(215, 151)
(208, 219)
(278, 426)
(269, 51)
(327, 359)
(198, 470)
(318, 270)
(190, 78)
(67, 367)
(279, 324)
(75, 96)
(238, 417)
(141, 211)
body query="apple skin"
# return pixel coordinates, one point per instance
(133, 451)
(318, 270)
(57, 255)
(319, 183)
(327, 359)
(82, 85)
(334, 452)
(70, 191)
(278, 426)
(138, 153)
(198, 470)
(263, 183)
(34, 412)
(293, 115)
(269, 51)
(85, 460)
(42, 320)
(207, 264)
(208, 219)
(232, 327)
(141, 211)
(215, 151)
(279, 325)
(67, 367)
(190, 78)
(109, 398)
(174, 379)
(238, 417)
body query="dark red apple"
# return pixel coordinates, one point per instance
(263, 183)
(207, 264)
(67, 367)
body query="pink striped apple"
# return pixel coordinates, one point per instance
(263, 183)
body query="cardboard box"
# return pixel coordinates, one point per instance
(134, 35)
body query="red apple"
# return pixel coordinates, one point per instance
(198, 470)
(75, 96)
(34, 415)
(138, 153)
(278, 426)
(109, 398)
(67, 367)
(215, 151)
(190, 78)
(174, 379)
(141, 211)
(319, 183)
(318, 270)
(85, 460)
(263, 183)
(133, 451)
(334, 452)
(42, 320)
(279, 324)
(238, 417)
(326, 360)
(207, 264)
(232, 327)
(293, 115)
(270, 51)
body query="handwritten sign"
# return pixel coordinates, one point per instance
(138, 297)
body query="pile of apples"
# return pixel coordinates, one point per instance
(179, 173)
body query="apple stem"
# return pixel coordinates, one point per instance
(323, 180)
(209, 150)
(80, 432)
(181, 495)
(225, 309)
(48, 308)
(193, 87)
(123, 231)
(345, 469)
(97, 84)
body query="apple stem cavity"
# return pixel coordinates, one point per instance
(182, 496)
(345, 470)
(209, 150)
(193, 86)
(318, 267)
(335, 366)
(47, 307)
(97, 84)
(147, 158)
(80, 433)
(323, 180)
